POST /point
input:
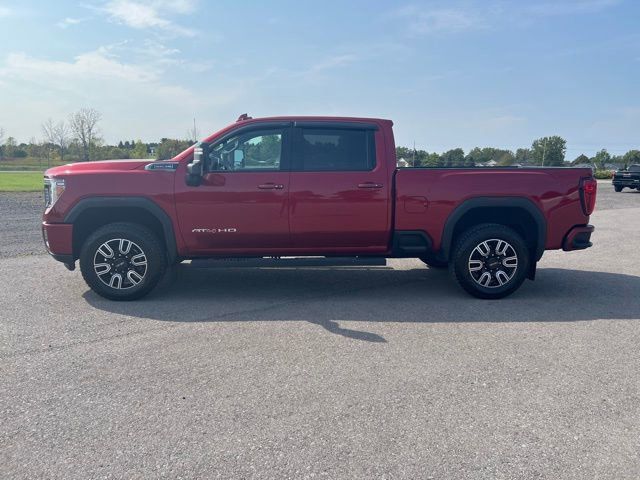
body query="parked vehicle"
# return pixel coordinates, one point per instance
(629, 178)
(309, 186)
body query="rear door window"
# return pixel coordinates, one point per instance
(328, 149)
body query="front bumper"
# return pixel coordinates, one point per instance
(58, 239)
(578, 238)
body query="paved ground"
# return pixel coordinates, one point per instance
(388, 372)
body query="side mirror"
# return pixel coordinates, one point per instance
(195, 169)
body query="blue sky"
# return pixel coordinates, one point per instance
(449, 73)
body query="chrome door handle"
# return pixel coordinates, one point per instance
(270, 186)
(370, 185)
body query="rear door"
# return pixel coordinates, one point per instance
(339, 193)
(241, 204)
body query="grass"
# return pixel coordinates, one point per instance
(29, 164)
(21, 181)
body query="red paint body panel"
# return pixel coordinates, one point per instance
(555, 191)
(314, 213)
(58, 238)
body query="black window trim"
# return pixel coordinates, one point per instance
(285, 156)
(369, 129)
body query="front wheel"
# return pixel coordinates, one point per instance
(617, 188)
(122, 261)
(490, 261)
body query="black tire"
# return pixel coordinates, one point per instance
(125, 261)
(468, 251)
(617, 188)
(433, 262)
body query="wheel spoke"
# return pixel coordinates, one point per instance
(475, 265)
(125, 246)
(484, 249)
(502, 277)
(501, 248)
(134, 277)
(102, 268)
(106, 251)
(510, 262)
(116, 281)
(485, 279)
(139, 260)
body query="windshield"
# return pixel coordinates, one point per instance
(634, 168)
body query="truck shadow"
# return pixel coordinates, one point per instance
(328, 296)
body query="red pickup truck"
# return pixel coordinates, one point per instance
(309, 186)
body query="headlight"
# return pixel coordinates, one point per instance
(53, 188)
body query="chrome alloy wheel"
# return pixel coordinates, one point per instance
(493, 263)
(120, 263)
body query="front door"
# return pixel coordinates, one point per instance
(242, 203)
(339, 194)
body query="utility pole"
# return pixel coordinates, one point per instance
(544, 150)
(413, 162)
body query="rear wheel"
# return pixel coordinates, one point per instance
(490, 261)
(617, 188)
(122, 261)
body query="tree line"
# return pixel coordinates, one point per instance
(545, 151)
(78, 138)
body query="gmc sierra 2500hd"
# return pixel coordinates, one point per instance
(309, 186)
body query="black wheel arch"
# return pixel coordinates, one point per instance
(488, 209)
(94, 212)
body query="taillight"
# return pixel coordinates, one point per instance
(588, 191)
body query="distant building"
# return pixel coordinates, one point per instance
(402, 163)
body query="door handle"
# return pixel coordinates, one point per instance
(270, 186)
(370, 185)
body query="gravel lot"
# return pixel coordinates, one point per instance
(357, 372)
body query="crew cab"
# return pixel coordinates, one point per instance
(629, 178)
(309, 186)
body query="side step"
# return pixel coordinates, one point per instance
(275, 262)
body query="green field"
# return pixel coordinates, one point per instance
(21, 181)
(29, 164)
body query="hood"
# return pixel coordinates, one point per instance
(98, 166)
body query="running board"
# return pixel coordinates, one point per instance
(275, 262)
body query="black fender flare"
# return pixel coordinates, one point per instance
(483, 202)
(136, 202)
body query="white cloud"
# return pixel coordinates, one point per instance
(571, 7)
(135, 98)
(69, 21)
(444, 20)
(141, 14)
(333, 62)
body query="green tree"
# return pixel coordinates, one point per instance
(549, 151)
(632, 157)
(169, 148)
(10, 147)
(139, 150)
(581, 159)
(453, 158)
(601, 159)
(523, 156)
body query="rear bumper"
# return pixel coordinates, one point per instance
(58, 239)
(626, 182)
(578, 238)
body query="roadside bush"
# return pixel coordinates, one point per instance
(603, 174)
